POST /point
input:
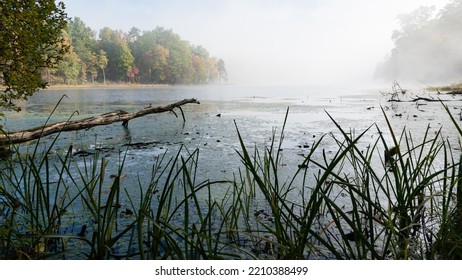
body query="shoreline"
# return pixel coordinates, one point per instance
(106, 86)
(125, 86)
(455, 88)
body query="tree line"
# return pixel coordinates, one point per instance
(428, 46)
(40, 45)
(158, 56)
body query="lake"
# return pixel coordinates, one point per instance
(255, 110)
(211, 127)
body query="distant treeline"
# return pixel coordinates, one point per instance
(427, 46)
(158, 56)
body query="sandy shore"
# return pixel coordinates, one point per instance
(108, 86)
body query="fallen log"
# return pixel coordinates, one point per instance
(22, 136)
(423, 99)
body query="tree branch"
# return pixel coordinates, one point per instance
(103, 119)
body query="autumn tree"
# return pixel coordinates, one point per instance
(200, 65)
(119, 56)
(68, 69)
(84, 44)
(76, 55)
(157, 59)
(151, 56)
(31, 40)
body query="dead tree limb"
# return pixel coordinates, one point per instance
(21, 136)
(424, 99)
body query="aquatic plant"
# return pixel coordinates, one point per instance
(359, 205)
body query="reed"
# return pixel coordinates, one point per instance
(362, 203)
(392, 203)
(34, 205)
(448, 244)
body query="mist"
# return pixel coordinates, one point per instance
(428, 47)
(271, 42)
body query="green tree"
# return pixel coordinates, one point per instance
(101, 62)
(179, 69)
(133, 35)
(426, 46)
(120, 59)
(200, 64)
(144, 50)
(67, 71)
(157, 60)
(163, 57)
(84, 43)
(222, 73)
(31, 40)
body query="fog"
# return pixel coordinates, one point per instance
(318, 42)
(428, 47)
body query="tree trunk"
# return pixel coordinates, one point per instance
(103, 119)
(104, 76)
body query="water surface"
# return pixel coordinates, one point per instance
(211, 125)
(257, 113)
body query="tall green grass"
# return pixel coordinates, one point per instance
(81, 215)
(33, 204)
(361, 204)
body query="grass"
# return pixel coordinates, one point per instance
(360, 205)
(454, 88)
(389, 198)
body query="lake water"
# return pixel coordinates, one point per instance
(255, 110)
(211, 126)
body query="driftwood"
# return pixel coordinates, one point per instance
(423, 99)
(398, 91)
(103, 119)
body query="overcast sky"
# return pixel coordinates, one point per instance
(302, 42)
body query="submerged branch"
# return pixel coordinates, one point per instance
(103, 119)
(423, 99)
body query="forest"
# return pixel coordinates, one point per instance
(158, 56)
(427, 46)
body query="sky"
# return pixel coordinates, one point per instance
(269, 42)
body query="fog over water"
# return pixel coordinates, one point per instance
(270, 42)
